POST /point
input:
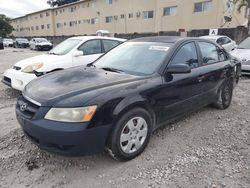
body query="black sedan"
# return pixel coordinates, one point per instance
(21, 43)
(119, 100)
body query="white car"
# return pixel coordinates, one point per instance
(242, 52)
(224, 41)
(8, 42)
(72, 52)
(40, 44)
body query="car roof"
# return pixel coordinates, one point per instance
(164, 39)
(213, 36)
(97, 37)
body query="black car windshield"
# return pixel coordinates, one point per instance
(22, 40)
(245, 44)
(65, 47)
(141, 58)
(39, 40)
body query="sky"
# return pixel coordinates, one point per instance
(16, 8)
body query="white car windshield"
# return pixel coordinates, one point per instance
(65, 47)
(7, 40)
(245, 44)
(140, 58)
(41, 40)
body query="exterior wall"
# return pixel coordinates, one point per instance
(86, 17)
(37, 24)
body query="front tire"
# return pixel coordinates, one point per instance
(225, 95)
(131, 135)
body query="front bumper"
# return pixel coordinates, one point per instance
(17, 79)
(245, 69)
(24, 45)
(72, 139)
(44, 47)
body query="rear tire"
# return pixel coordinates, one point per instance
(225, 95)
(131, 135)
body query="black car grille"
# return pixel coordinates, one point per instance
(26, 108)
(16, 68)
(7, 80)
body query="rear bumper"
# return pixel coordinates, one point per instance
(17, 79)
(72, 139)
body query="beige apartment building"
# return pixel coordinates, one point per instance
(129, 16)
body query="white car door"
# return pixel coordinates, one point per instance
(90, 50)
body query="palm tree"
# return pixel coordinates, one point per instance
(242, 4)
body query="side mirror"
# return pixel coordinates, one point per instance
(178, 69)
(78, 53)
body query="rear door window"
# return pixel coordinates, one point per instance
(187, 54)
(209, 53)
(109, 44)
(223, 41)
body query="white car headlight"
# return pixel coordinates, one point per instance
(33, 67)
(82, 114)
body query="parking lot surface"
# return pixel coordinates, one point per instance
(209, 148)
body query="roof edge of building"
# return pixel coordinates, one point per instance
(52, 8)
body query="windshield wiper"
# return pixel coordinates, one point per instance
(112, 69)
(90, 65)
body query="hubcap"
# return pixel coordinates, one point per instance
(133, 135)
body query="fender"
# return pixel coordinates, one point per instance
(132, 102)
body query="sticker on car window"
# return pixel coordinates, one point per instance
(159, 48)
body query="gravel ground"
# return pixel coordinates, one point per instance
(209, 148)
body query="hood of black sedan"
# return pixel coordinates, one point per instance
(67, 83)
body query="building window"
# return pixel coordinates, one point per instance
(59, 25)
(148, 14)
(32, 28)
(202, 6)
(37, 27)
(42, 26)
(109, 2)
(130, 15)
(41, 15)
(109, 19)
(122, 16)
(48, 26)
(93, 21)
(56, 12)
(72, 9)
(72, 23)
(79, 21)
(170, 11)
(47, 13)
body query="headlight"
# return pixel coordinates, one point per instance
(82, 114)
(33, 67)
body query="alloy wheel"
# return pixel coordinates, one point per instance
(133, 135)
